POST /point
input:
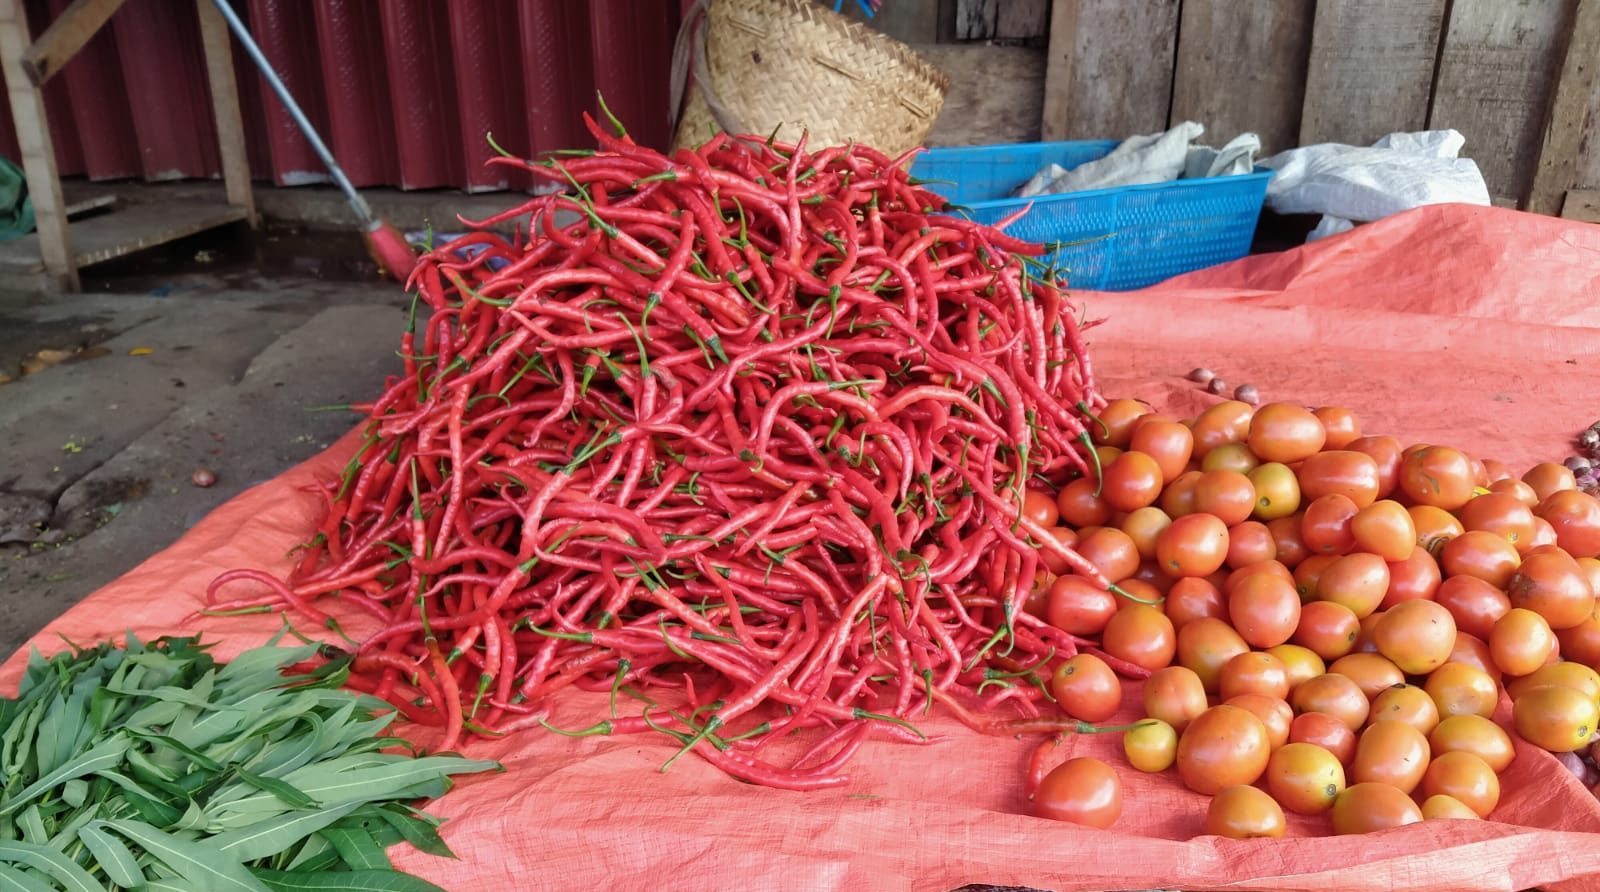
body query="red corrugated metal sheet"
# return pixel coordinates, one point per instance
(406, 92)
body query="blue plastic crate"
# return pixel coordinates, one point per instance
(1117, 239)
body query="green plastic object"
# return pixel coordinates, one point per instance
(16, 208)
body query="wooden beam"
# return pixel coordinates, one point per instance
(1569, 106)
(65, 36)
(1371, 69)
(225, 106)
(1058, 72)
(1582, 204)
(38, 155)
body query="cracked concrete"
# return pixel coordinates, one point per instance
(96, 454)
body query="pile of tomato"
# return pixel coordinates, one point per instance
(1323, 622)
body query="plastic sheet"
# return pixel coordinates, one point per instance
(1452, 324)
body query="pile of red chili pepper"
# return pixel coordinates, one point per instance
(743, 431)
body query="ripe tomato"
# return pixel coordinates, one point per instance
(1142, 635)
(1277, 491)
(1349, 473)
(1341, 424)
(1138, 591)
(1175, 696)
(1269, 567)
(1502, 514)
(1040, 508)
(1192, 598)
(1415, 578)
(1193, 545)
(1038, 600)
(1565, 674)
(1385, 528)
(1178, 498)
(1515, 488)
(1151, 746)
(1254, 673)
(1327, 629)
(1107, 454)
(1168, 442)
(1543, 533)
(1152, 574)
(1081, 791)
(1358, 581)
(1308, 575)
(1474, 652)
(1227, 494)
(1552, 585)
(1438, 476)
(1079, 506)
(1462, 689)
(1244, 812)
(1392, 753)
(1372, 673)
(1052, 562)
(1575, 517)
(1285, 532)
(1226, 422)
(1223, 746)
(1435, 526)
(1521, 642)
(1111, 550)
(1205, 646)
(1547, 478)
(1481, 554)
(1230, 457)
(1417, 636)
(1385, 451)
(1473, 734)
(1077, 607)
(1275, 715)
(1251, 543)
(1086, 688)
(1440, 807)
(1328, 525)
(1370, 807)
(1264, 609)
(1591, 571)
(1474, 604)
(1406, 703)
(1143, 526)
(1581, 643)
(1324, 730)
(1299, 663)
(1334, 695)
(1558, 719)
(1118, 417)
(1285, 432)
(1304, 778)
(1131, 482)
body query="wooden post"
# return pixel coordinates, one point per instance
(1058, 72)
(66, 35)
(1563, 130)
(38, 155)
(225, 106)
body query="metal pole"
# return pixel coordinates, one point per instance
(362, 209)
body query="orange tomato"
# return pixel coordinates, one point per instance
(1327, 629)
(1474, 651)
(1250, 543)
(1226, 422)
(1286, 536)
(1502, 514)
(1385, 451)
(1308, 575)
(1557, 719)
(1518, 490)
(1581, 643)
(1341, 424)
(1473, 734)
(1142, 635)
(1299, 663)
(1277, 491)
(1192, 545)
(1393, 753)
(1328, 524)
(1244, 812)
(1386, 529)
(1325, 731)
(1547, 478)
(1144, 526)
(1079, 506)
(1275, 715)
(1230, 457)
(1229, 495)
(1168, 442)
(1521, 642)
(1358, 581)
(1415, 578)
(1464, 777)
(1254, 673)
(1285, 432)
(1349, 473)
(1265, 609)
(1406, 703)
(1086, 688)
(1131, 482)
(1334, 695)
(1474, 604)
(1118, 418)
(1417, 636)
(1205, 646)
(1304, 778)
(1575, 518)
(1481, 554)
(1370, 807)
(1435, 526)
(1192, 598)
(1080, 791)
(1174, 695)
(1462, 689)
(1438, 476)
(1554, 586)
(1372, 673)
(1178, 498)
(1565, 674)
(1223, 746)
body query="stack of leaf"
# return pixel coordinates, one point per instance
(156, 767)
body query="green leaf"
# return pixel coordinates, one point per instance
(14, 880)
(345, 881)
(171, 884)
(278, 788)
(102, 756)
(49, 861)
(73, 793)
(316, 854)
(32, 826)
(199, 759)
(419, 831)
(331, 782)
(196, 862)
(357, 848)
(267, 838)
(114, 858)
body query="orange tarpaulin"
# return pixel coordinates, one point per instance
(1468, 326)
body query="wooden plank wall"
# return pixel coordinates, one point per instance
(1110, 68)
(1371, 69)
(1241, 68)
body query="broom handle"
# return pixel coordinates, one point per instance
(357, 203)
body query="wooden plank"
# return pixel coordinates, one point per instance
(994, 96)
(130, 229)
(38, 155)
(1022, 19)
(1496, 71)
(976, 19)
(1582, 204)
(1558, 164)
(1113, 79)
(65, 36)
(225, 107)
(1371, 69)
(85, 205)
(1242, 68)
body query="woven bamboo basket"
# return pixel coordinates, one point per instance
(796, 67)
